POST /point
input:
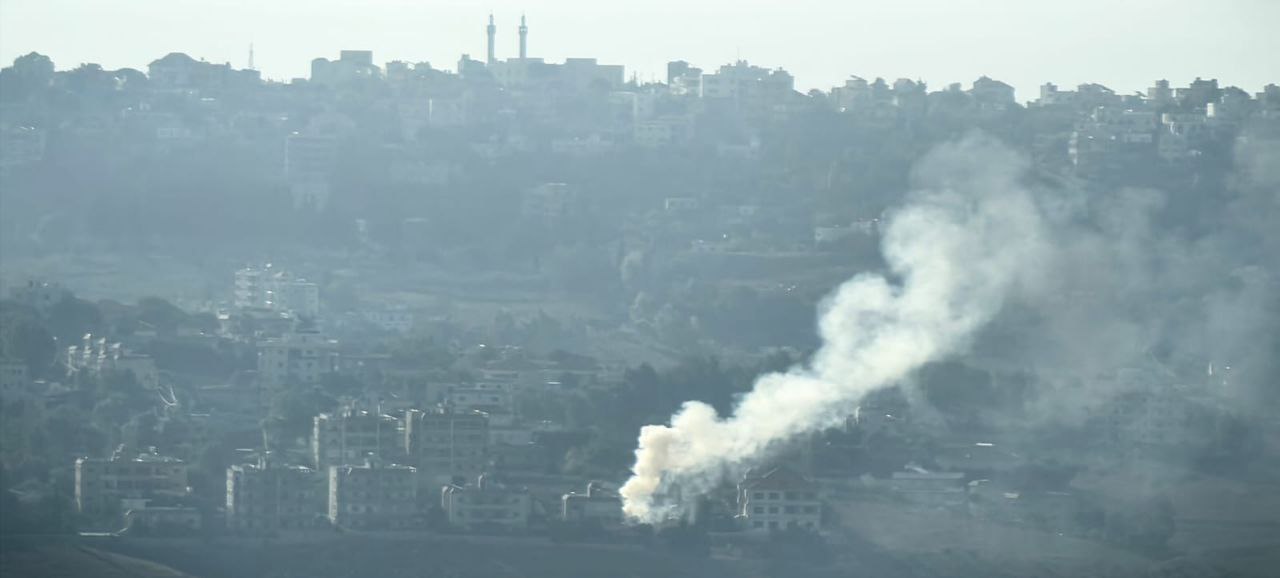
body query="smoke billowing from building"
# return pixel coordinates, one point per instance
(962, 242)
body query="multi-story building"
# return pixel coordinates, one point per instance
(95, 356)
(487, 504)
(931, 489)
(390, 320)
(551, 201)
(778, 499)
(352, 436)
(374, 497)
(14, 380)
(351, 66)
(444, 444)
(264, 497)
(275, 290)
(489, 398)
(101, 484)
(300, 356)
(597, 506)
(20, 146)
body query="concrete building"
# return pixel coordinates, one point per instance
(663, 131)
(95, 356)
(101, 484)
(486, 504)
(550, 201)
(390, 320)
(374, 497)
(15, 383)
(350, 67)
(595, 507)
(271, 288)
(991, 93)
(352, 436)
(301, 356)
(444, 444)
(489, 398)
(265, 498)
(778, 499)
(21, 146)
(925, 488)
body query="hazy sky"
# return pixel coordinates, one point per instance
(1121, 43)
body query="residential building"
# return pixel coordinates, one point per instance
(350, 67)
(301, 356)
(489, 398)
(273, 289)
(101, 484)
(597, 506)
(778, 499)
(15, 383)
(95, 356)
(21, 146)
(445, 444)
(662, 131)
(487, 504)
(925, 488)
(374, 497)
(551, 201)
(991, 93)
(264, 497)
(352, 436)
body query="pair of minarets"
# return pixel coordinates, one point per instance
(492, 31)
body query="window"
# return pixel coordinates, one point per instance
(757, 510)
(757, 524)
(792, 509)
(773, 509)
(773, 495)
(757, 495)
(810, 509)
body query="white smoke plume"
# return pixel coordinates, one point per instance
(967, 236)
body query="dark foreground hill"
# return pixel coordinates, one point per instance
(40, 558)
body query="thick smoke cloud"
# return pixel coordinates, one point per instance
(1137, 292)
(969, 236)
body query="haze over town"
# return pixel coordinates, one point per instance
(1121, 44)
(404, 289)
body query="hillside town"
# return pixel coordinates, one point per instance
(404, 299)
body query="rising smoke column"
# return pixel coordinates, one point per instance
(966, 237)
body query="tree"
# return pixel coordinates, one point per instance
(71, 318)
(23, 337)
(164, 316)
(30, 73)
